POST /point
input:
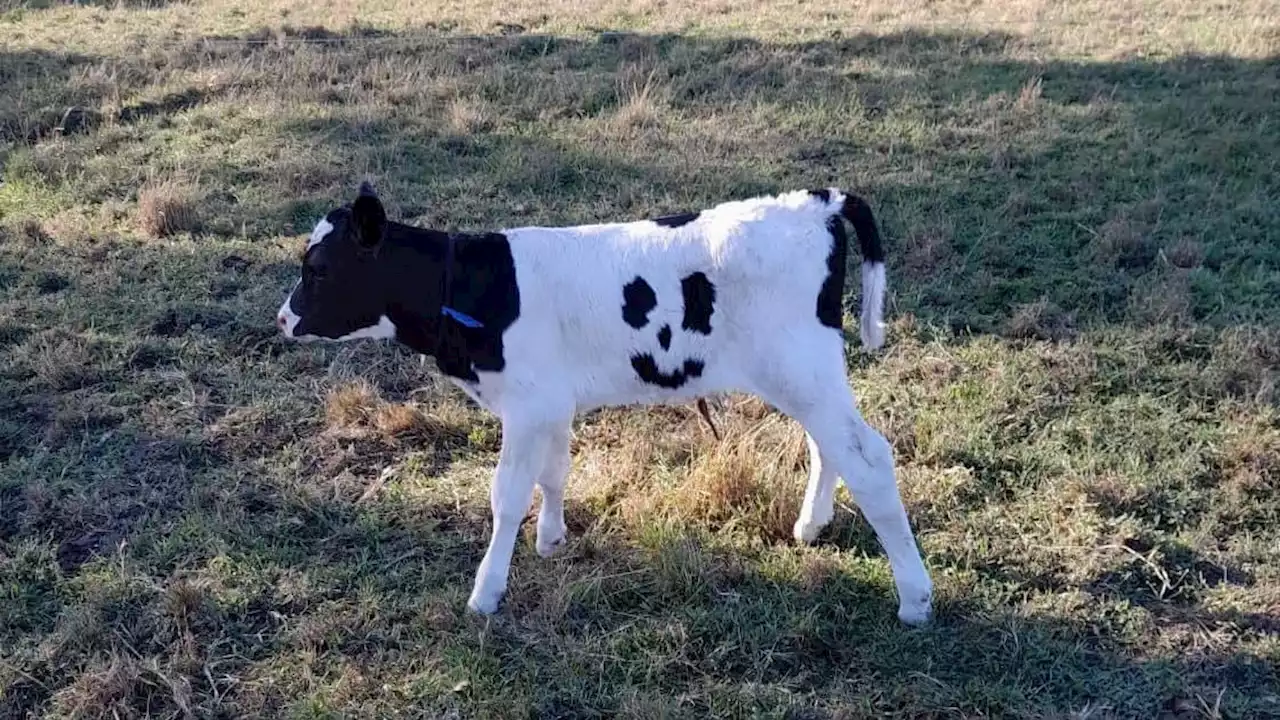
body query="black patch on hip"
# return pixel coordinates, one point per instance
(675, 221)
(830, 306)
(638, 300)
(647, 368)
(699, 303)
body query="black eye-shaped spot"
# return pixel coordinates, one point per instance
(638, 300)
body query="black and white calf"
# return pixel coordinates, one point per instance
(537, 324)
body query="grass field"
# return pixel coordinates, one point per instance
(1081, 204)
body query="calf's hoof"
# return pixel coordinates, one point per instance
(916, 613)
(484, 602)
(807, 529)
(806, 532)
(550, 545)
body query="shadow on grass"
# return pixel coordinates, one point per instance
(288, 599)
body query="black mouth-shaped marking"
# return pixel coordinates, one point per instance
(647, 368)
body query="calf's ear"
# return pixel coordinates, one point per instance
(370, 218)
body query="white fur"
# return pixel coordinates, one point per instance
(286, 318)
(384, 330)
(319, 233)
(570, 351)
(871, 326)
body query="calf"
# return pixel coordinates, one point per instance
(537, 324)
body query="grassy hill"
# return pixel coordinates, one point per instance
(1081, 205)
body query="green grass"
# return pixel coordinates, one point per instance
(1080, 383)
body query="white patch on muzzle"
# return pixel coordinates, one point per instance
(286, 318)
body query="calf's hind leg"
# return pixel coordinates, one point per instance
(819, 495)
(842, 443)
(864, 459)
(551, 528)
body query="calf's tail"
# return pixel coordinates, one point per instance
(858, 213)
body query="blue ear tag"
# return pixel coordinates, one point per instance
(461, 317)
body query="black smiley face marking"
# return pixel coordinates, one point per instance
(698, 295)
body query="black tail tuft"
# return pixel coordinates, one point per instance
(858, 213)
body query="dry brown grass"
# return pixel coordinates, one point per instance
(1163, 299)
(1040, 320)
(393, 419)
(1244, 366)
(1029, 95)
(1089, 26)
(469, 115)
(927, 251)
(1124, 241)
(641, 100)
(648, 469)
(33, 231)
(61, 360)
(104, 691)
(355, 409)
(350, 405)
(167, 207)
(752, 478)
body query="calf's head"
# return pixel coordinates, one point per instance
(342, 294)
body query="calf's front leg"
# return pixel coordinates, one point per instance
(526, 444)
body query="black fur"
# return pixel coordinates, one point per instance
(831, 296)
(699, 302)
(830, 303)
(859, 214)
(484, 287)
(368, 267)
(638, 300)
(647, 369)
(664, 337)
(675, 221)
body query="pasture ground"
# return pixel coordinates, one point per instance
(1080, 203)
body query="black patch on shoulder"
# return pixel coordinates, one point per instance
(484, 287)
(699, 302)
(664, 337)
(638, 300)
(647, 368)
(822, 194)
(831, 295)
(675, 221)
